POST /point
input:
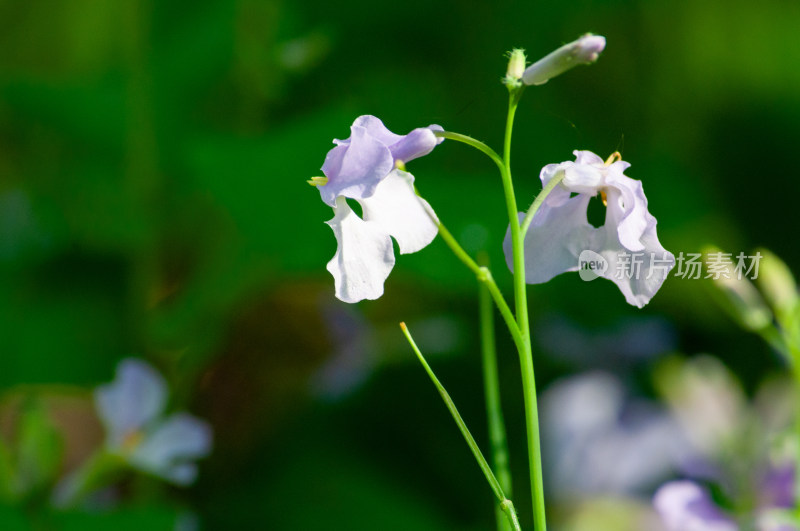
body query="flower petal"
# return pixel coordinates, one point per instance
(364, 257)
(554, 240)
(582, 178)
(583, 156)
(415, 144)
(136, 397)
(397, 208)
(627, 209)
(684, 506)
(180, 474)
(559, 195)
(355, 169)
(179, 439)
(638, 273)
(374, 126)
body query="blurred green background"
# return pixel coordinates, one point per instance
(153, 202)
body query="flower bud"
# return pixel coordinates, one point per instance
(777, 284)
(583, 51)
(741, 298)
(516, 67)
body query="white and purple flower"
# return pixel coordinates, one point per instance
(369, 167)
(132, 410)
(560, 230)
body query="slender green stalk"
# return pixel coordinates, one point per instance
(794, 355)
(96, 472)
(477, 144)
(555, 181)
(518, 326)
(525, 351)
(494, 409)
(484, 277)
(505, 503)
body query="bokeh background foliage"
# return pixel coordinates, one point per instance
(153, 158)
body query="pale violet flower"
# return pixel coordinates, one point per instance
(583, 51)
(132, 410)
(601, 443)
(369, 168)
(685, 506)
(626, 244)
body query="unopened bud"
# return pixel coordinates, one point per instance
(516, 67)
(583, 51)
(739, 296)
(777, 284)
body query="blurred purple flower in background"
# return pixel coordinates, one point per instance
(602, 444)
(132, 410)
(741, 447)
(685, 506)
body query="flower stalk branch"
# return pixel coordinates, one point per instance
(555, 181)
(484, 276)
(506, 505)
(494, 409)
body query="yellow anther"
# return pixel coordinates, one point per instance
(604, 197)
(318, 181)
(400, 165)
(613, 158)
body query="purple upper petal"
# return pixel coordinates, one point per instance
(356, 168)
(377, 130)
(415, 144)
(357, 164)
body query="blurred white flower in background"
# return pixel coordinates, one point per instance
(599, 443)
(132, 410)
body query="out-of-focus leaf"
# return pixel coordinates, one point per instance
(780, 289)
(12, 518)
(156, 518)
(6, 473)
(39, 450)
(739, 296)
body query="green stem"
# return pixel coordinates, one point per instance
(484, 277)
(96, 472)
(506, 504)
(794, 355)
(477, 144)
(491, 385)
(525, 351)
(555, 181)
